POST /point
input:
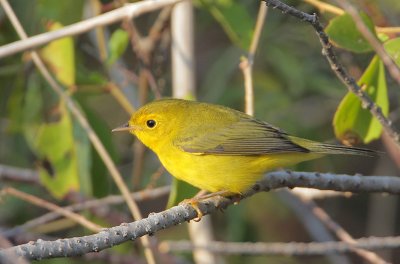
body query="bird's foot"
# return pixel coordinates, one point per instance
(194, 202)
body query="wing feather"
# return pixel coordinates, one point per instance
(246, 136)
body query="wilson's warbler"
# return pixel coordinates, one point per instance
(218, 149)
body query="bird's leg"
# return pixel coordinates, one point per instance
(194, 202)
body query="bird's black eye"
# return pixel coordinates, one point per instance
(151, 123)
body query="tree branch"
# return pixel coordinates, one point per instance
(340, 232)
(89, 204)
(52, 207)
(129, 11)
(291, 249)
(176, 215)
(246, 64)
(339, 70)
(19, 175)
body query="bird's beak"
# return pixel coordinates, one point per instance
(124, 127)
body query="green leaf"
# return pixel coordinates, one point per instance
(343, 33)
(14, 102)
(64, 176)
(67, 12)
(55, 139)
(54, 142)
(118, 43)
(354, 124)
(60, 56)
(234, 18)
(392, 47)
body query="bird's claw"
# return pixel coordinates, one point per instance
(195, 204)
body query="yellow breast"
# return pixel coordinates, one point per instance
(215, 173)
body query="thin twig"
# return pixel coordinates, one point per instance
(19, 175)
(12, 258)
(99, 31)
(52, 207)
(325, 7)
(314, 227)
(83, 122)
(339, 70)
(246, 64)
(155, 177)
(129, 11)
(289, 249)
(340, 232)
(90, 204)
(116, 92)
(393, 69)
(317, 194)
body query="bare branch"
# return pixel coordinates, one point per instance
(129, 11)
(341, 233)
(246, 64)
(335, 182)
(291, 248)
(182, 213)
(339, 70)
(52, 207)
(17, 174)
(316, 229)
(90, 204)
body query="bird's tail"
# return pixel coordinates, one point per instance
(324, 148)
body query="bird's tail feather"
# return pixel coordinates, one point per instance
(324, 148)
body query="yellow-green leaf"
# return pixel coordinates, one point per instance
(343, 33)
(354, 124)
(55, 139)
(53, 144)
(117, 45)
(64, 177)
(392, 47)
(60, 56)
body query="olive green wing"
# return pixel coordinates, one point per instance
(245, 137)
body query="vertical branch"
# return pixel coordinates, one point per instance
(99, 31)
(183, 74)
(246, 64)
(183, 86)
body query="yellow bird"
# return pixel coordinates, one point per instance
(219, 149)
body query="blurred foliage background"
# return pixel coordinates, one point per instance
(104, 69)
